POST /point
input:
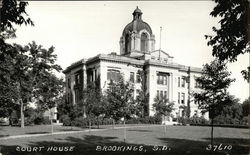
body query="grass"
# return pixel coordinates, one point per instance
(180, 139)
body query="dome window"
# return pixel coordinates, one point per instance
(144, 43)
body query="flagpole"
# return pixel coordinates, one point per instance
(160, 44)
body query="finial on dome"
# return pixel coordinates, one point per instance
(137, 13)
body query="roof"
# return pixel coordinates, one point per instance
(133, 61)
(73, 65)
(137, 24)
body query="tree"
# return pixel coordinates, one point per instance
(231, 114)
(232, 38)
(162, 106)
(246, 107)
(94, 102)
(120, 101)
(11, 12)
(143, 97)
(31, 75)
(214, 83)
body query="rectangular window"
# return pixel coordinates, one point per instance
(138, 78)
(179, 82)
(132, 77)
(179, 96)
(183, 79)
(158, 93)
(196, 84)
(161, 94)
(182, 98)
(113, 75)
(165, 95)
(77, 79)
(95, 78)
(162, 78)
(68, 82)
(137, 93)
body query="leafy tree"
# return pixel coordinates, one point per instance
(94, 102)
(230, 114)
(120, 101)
(246, 107)
(31, 75)
(143, 97)
(231, 37)
(214, 83)
(162, 106)
(13, 12)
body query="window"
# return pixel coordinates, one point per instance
(182, 98)
(179, 81)
(183, 78)
(68, 82)
(162, 78)
(161, 94)
(179, 96)
(113, 75)
(165, 95)
(138, 78)
(137, 93)
(197, 84)
(132, 77)
(144, 42)
(77, 79)
(127, 43)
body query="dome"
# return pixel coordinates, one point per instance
(137, 24)
(137, 10)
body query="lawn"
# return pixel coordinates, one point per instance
(143, 140)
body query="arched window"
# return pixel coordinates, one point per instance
(127, 43)
(144, 45)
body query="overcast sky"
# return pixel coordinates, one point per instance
(82, 29)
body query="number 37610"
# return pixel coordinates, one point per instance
(218, 147)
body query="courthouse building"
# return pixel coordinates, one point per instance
(163, 77)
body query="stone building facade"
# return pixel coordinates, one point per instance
(164, 77)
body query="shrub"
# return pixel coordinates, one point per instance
(46, 120)
(245, 120)
(14, 120)
(133, 120)
(65, 120)
(80, 122)
(106, 121)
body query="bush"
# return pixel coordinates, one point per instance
(65, 120)
(157, 119)
(46, 120)
(133, 120)
(14, 120)
(80, 122)
(245, 120)
(193, 120)
(106, 121)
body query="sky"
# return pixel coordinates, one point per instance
(83, 29)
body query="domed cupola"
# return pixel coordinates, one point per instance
(137, 13)
(137, 37)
